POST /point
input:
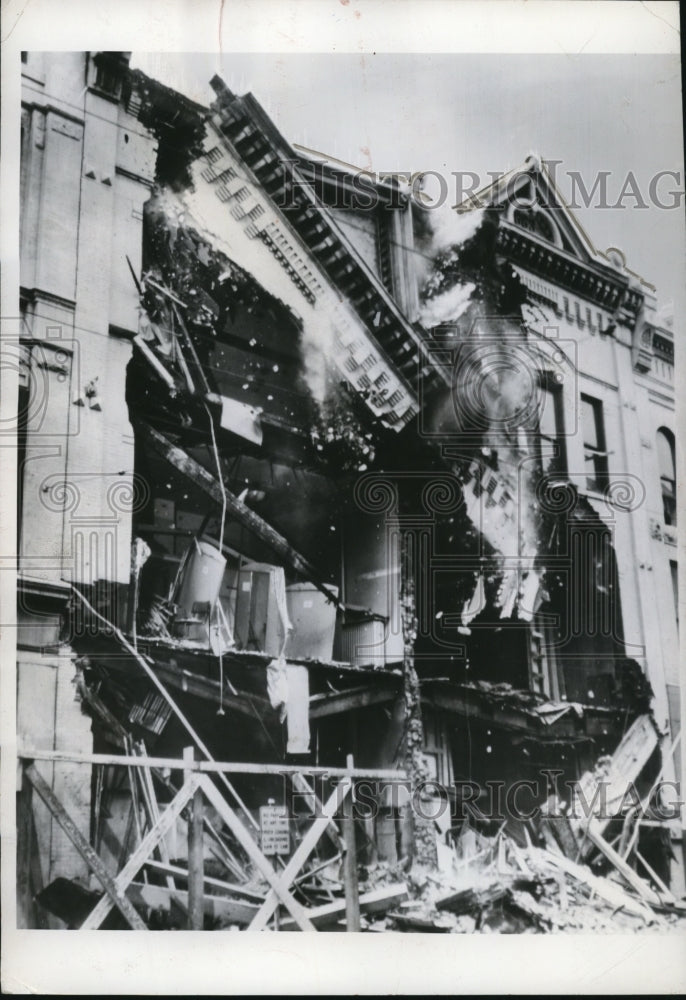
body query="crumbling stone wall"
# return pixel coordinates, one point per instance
(414, 761)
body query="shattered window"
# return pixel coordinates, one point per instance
(595, 454)
(665, 457)
(108, 76)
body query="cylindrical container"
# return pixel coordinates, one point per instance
(200, 581)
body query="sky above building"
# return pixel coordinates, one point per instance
(480, 114)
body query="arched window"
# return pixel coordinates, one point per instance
(667, 467)
(539, 222)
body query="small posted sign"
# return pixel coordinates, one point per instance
(274, 830)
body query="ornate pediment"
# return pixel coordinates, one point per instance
(540, 233)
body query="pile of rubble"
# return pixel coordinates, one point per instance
(497, 886)
(489, 885)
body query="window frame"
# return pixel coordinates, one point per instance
(669, 505)
(552, 392)
(596, 453)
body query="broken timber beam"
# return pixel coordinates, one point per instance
(322, 705)
(376, 901)
(611, 892)
(229, 911)
(253, 523)
(238, 890)
(638, 884)
(114, 893)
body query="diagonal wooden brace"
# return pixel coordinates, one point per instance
(114, 895)
(302, 785)
(278, 883)
(302, 852)
(143, 851)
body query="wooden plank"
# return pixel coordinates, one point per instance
(152, 809)
(465, 705)
(196, 863)
(302, 785)
(141, 660)
(303, 852)
(210, 766)
(155, 364)
(667, 895)
(186, 337)
(633, 878)
(181, 358)
(411, 922)
(217, 883)
(476, 896)
(142, 852)
(352, 895)
(235, 911)
(117, 732)
(114, 894)
(322, 705)
(165, 291)
(627, 762)
(221, 848)
(609, 891)
(377, 901)
(250, 847)
(647, 799)
(250, 520)
(205, 687)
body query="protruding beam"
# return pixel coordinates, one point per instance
(199, 475)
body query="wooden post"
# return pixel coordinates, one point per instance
(196, 863)
(352, 896)
(114, 894)
(25, 892)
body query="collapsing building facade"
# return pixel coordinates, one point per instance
(370, 505)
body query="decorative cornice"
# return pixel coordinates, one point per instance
(33, 295)
(584, 278)
(260, 146)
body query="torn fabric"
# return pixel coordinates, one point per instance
(298, 709)
(277, 686)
